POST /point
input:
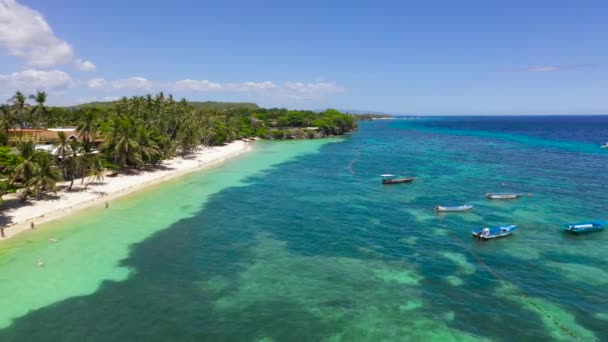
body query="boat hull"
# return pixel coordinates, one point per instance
(397, 180)
(585, 227)
(454, 209)
(495, 232)
(502, 196)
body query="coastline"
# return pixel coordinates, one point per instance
(19, 215)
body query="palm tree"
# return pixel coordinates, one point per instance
(189, 134)
(28, 168)
(121, 142)
(7, 122)
(39, 111)
(19, 106)
(148, 147)
(46, 177)
(76, 162)
(95, 170)
(62, 151)
(87, 129)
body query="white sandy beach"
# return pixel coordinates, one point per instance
(20, 217)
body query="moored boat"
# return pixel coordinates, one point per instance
(585, 227)
(390, 179)
(456, 208)
(494, 232)
(504, 195)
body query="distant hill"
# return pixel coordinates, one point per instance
(93, 105)
(196, 104)
(356, 111)
(360, 111)
(223, 105)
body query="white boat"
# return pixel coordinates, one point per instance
(604, 146)
(456, 208)
(494, 232)
(504, 195)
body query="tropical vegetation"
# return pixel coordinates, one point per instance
(135, 133)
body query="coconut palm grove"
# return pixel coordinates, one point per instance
(133, 133)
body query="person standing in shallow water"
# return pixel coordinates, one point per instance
(32, 225)
(1, 231)
(107, 205)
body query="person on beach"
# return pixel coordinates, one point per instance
(32, 225)
(1, 231)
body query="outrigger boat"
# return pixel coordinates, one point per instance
(390, 179)
(585, 227)
(494, 232)
(505, 195)
(457, 208)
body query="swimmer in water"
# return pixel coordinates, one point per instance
(53, 239)
(40, 263)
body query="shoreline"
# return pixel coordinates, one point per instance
(20, 215)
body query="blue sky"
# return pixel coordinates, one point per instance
(419, 57)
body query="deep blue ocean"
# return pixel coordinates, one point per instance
(316, 248)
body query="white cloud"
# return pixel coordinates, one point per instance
(138, 83)
(206, 85)
(252, 86)
(311, 90)
(85, 65)
(541, 69)
(549, 68)
(195, 85)
(25, 33)
(96, 83)
(32, 80)
(295, 90)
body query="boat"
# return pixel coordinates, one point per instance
(494, 232)
(604, 146)
(504, 195)
(585, 227)
(456, 208)
(390, 179)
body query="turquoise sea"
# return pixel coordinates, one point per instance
(299, 241)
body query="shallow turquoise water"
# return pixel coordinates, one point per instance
(299, 241)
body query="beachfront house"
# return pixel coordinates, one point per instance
(41, 136)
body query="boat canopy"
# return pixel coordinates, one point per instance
(388, 175)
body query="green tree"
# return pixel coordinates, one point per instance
(45, 177)
(19, 108)
(8, 163)
(8, 121)
(62, 151)
(121, 142)
(39, 112)
(87, 129)
(95, 170)
(28, 168)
